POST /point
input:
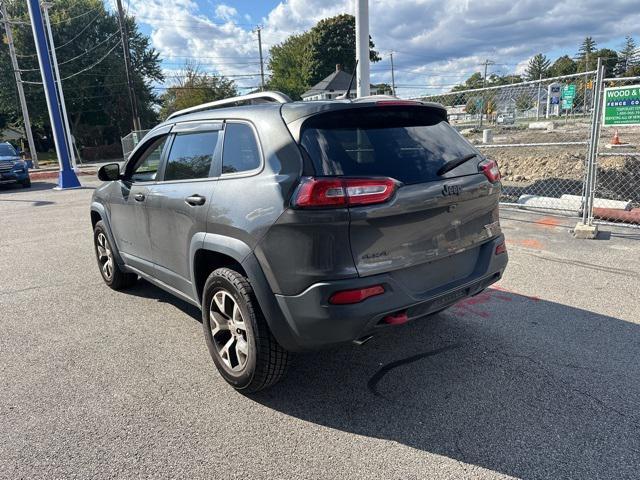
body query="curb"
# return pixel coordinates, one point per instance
(54, 174)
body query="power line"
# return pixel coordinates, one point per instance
(88, 51)
(193, 23)
(80, 33)
(59, 22)
(91, 66)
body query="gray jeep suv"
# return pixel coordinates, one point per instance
(298, 225)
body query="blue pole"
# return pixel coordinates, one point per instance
(67, 177)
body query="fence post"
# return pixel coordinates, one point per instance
(539, 91)
(597, 109)
(586, 229)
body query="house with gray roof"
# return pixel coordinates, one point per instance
(331, 87)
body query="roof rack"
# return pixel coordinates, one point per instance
(252, 98)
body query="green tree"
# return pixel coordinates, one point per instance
(538, 67)
(563, 65)
(332, 42)
(585, 53)
(193, 87)
(303, 60)
(609, 60)
(524, 102)
(472, 106)
(474, 81)
(91, 64)
(495, 80)
(381, 88)
(289, 63)
(628, 57)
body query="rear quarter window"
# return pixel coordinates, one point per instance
(240, 152)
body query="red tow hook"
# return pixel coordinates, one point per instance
(396, 318)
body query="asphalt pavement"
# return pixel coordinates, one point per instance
(538, 377)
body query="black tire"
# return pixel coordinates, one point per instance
(266, 361)
(113, 276)
(26, 183)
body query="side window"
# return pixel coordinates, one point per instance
(191, 155)
(240, 152)
(146, 168)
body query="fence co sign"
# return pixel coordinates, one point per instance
(568, 94)
(622, 105)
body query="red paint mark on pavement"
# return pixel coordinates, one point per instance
(526, 242)
(479, 305)
(548, 222)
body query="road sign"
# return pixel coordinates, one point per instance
(567, 103)
(569, 91)
(554, 91)
(622, 105)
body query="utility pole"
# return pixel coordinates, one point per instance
(259, 31)
(393, 76)
(16, 71)
(58, 79)
(363, 82)
(67, 177)
(484, 84)
(124, 34)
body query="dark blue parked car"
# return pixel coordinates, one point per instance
(12, 168)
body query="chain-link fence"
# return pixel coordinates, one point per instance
(538, 132)
(617, 163)
(130, 141)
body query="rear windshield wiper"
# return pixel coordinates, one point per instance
(456, 162)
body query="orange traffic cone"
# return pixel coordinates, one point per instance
(616, 139)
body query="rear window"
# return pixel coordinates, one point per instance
(408, 144)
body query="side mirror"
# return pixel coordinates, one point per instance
(109, 172)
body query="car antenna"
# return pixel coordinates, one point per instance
(355, 69)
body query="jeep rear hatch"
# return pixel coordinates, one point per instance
(417, 191)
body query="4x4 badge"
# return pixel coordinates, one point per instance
(451, 190)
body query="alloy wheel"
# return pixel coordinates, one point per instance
(105, 256)
(228, 330)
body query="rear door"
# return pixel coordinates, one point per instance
(177, 204)
(432, 215)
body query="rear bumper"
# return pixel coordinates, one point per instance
(308, 321)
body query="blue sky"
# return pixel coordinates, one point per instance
(436, 43)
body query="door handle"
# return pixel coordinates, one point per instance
(139, 197)
(195, 200)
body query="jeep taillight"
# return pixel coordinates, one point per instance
(490, 170)
(326, 192)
